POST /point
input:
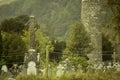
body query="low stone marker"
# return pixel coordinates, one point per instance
(31, 68)
(4, 68)
(60, 70)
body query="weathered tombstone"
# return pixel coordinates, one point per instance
(4, 68)
(60, 70)
(11, 79)
(31, 68)
(4, 72)
(14, 69)
(118, 68)
(109, 66)
(67, 65)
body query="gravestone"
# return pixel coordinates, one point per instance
(14, 69)
(31, 68)
(4, 68)
(60, 70)
(109, 66)
(4, 72)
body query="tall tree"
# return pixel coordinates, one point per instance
(77, 45)
(107, 49)
(114, 25)
(13, 45)
(13, 48)
(78, 41)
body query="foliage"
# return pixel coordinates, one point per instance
(2, 62)
(59, 46)
(12, 25)
(77, 45)
(113, 27)
(16, 24)
(41, 42)
(107, 48)
(78, 40)
(77, 61)
(13, 46)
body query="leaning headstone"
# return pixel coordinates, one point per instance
(60, 70)
(31, 68)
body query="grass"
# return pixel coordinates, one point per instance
(75, 76)
(108, 75)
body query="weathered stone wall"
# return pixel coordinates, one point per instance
(92, 16)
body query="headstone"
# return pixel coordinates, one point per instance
(4, 68)
(31, 68)
(60, 70)
(109, 66)
(11, 79)
(4, 72)
(118, 68)
(14, 69)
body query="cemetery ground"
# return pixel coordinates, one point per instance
(100, 75)
(61, 73)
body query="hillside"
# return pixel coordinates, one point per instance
(54, 16)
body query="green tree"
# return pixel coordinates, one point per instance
(16, 24)
(113, 27)
(59, 46)
(78, 41)
(107, 48)
(77, 44)
(13, 48)
(12, 25)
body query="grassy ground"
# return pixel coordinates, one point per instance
(109, 75)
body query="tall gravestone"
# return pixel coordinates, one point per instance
(92, 16)
(32, 57)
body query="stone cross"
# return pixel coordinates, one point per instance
(32, 30)
(31, 59)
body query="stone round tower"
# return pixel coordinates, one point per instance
(92, 17)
